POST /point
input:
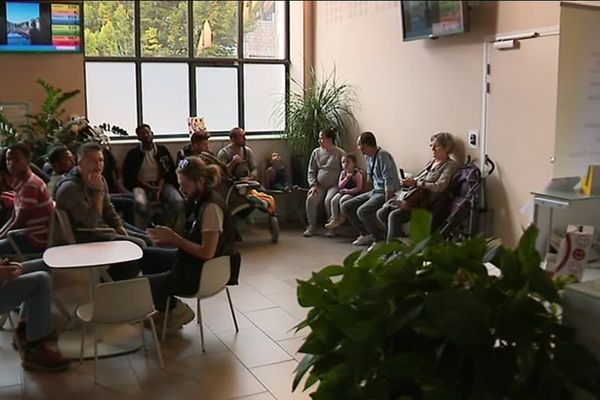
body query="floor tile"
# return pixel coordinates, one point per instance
(253, 347)
(278, 378)
(223, 375)
(274, 322)
(291, 346)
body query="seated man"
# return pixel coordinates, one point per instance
(83, 194)
(361, 210)
(38, 338)
(149, 172)
(198, 145)
(62, 161)
(238, 157)
(32, 206)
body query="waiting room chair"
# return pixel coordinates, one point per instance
(215, 276)
(122, 302)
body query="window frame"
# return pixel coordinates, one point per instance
(192, 62)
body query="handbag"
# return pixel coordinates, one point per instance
(417, 197)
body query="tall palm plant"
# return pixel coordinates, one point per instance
(320, 104)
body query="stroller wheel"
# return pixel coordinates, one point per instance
(274, 228)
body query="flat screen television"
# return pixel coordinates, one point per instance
(40, 27)
(431, 19)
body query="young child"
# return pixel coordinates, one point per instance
(350, 184)
(276, 174)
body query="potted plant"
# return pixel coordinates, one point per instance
(43, 126)
(426, 321)
(310, 108)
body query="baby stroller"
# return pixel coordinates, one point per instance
(238, 196)
(464, 202)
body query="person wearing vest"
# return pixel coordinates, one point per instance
(208, 233)
(383, 174)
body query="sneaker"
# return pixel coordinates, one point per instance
(45, 357)
(308, 232)
(363, 240)
(333, 223)
(330, 233)
(181, 315)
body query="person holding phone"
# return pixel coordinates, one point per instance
(175, 269)
(34, 289)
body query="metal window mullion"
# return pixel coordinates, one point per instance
(137, 30)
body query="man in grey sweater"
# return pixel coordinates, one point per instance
(361, 210)
(83, 195)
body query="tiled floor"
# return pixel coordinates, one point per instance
(255, 364)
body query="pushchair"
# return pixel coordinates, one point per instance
(237, 198)
(457, 215)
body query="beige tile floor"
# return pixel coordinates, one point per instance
(255, 364)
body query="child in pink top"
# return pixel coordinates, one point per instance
(350, 184)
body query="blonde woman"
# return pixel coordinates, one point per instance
(208, 234)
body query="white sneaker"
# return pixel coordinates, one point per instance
(308, 232)
(334, 223)
(363, 240)
(182, 314)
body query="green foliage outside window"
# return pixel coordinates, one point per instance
(109, 28)
(164, 28)
(215, 23)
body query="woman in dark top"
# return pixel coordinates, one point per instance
(208, 234)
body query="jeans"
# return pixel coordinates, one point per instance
(125, 204)
(315, 200)
(170, 198)
(336, 203)
(21, 242)
(361, 212)
(35, 289)
(394, 218)
(157, 265)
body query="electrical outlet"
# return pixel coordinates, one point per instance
(473, 139)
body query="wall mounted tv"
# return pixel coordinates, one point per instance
(40, 27)
(431, 19)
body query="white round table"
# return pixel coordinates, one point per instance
(112, 339)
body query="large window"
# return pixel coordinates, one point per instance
(160, 62)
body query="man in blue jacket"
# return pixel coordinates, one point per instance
(149, 172)
(382, 173)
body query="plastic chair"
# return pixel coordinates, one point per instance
(122, 302)
(214, 278)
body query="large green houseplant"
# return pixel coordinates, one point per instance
(426, 321)
(311, 107)
(44, 125)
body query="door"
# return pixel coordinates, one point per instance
(521, 117)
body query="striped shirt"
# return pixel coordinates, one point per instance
(33, 195)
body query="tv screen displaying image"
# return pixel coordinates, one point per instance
(40, 27)
(425, 19)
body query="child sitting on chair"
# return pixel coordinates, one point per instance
(276, 173)
(350, 184)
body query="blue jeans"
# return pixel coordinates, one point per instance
(170, 199)
(35, 289)
(361, 211)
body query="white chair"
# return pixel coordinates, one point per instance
(122, 302)
(213, 280)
